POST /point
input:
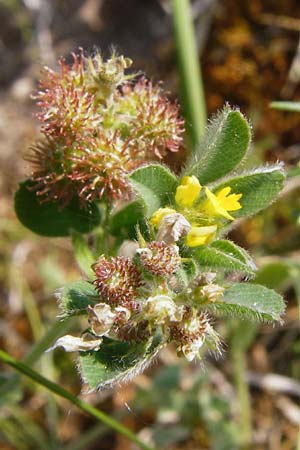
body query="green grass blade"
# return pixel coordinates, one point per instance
(190, 73)
(286, 106)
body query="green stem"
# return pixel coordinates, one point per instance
(241, 335)
(188, 63)
(243, 397)
(106, 229)
(102, 233)
(58, 390)
(295, 272)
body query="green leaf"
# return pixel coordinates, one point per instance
(116, 362)
(83, 254)
(124, 221)
(75, 297)
(259, 188)
(155, 185)
(48, 219)
(223, 147)
(226, 255)
(286, 106)
(250, 301)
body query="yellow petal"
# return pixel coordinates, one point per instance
(187, 192)
(223, 192)
(229, 202)
(214, 206)
(222, 202)
(200, 235)
(160, 214)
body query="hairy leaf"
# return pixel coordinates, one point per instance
(75, 297)
(223, 147)
(116, 362)
(226, 255)
(48, 219)
(155, 185)
(259, 188)
(250, 301)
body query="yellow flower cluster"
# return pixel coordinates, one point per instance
(214, 206)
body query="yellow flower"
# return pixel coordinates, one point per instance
(221, 203)
(187, 192)
(160, 214)
(200, 235)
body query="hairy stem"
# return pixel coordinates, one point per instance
(58, 390)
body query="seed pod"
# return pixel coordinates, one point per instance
(153, 121)
(97, 127)
(118, 281)
(160, 259)
(191, 334)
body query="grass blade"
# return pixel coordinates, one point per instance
(188, 64)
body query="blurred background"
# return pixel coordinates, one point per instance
(250, 56)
